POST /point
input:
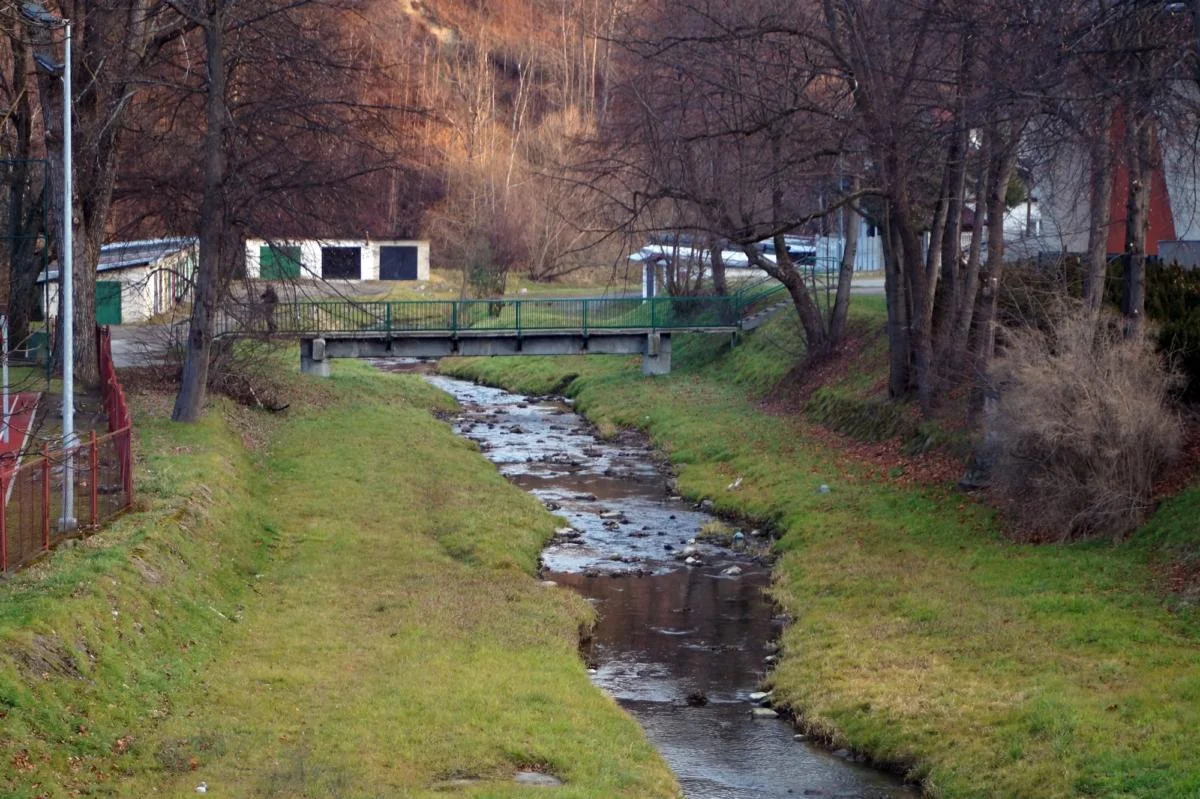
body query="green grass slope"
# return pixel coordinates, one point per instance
(350, 611)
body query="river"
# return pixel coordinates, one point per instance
(682, 647)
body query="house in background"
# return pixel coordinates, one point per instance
(1062, 186)
(340, 259)
(135, 280)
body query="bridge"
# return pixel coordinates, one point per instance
(555, 326)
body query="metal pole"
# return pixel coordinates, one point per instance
(66, 285)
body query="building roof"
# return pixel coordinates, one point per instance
(129, 254)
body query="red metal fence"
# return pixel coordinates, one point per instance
(101, 469)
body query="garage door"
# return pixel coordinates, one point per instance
(397, 263)
(108, 302)
(279, 263)
(341, 263)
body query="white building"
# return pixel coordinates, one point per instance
(135, 280)
(337, 259)
(823, 253)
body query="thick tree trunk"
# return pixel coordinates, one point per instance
(897, 322)
(720, 287)
(1137, 223)
(1100, 181)
(816, 337)
(920, 340)
(213, 231)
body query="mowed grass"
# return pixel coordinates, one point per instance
(921, 636)
(383, 633)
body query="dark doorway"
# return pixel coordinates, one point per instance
(341, 263)
(397, 263)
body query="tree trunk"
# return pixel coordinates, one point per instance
(958, 337)
(213, 229)
(897, 323)
(816, 338)
(841, 302)
(983, 339)
(24, 208)
(1137, 221)
(1100, 174)
(945, 307)
(720, 287)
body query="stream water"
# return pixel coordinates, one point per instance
(681, 647)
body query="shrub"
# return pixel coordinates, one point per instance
(1081, 430)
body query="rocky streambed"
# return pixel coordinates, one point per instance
(686, 633)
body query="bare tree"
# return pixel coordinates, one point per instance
(115, 45)
(291, 140)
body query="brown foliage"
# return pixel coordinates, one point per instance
(1082, 429)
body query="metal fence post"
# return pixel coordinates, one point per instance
(127, 464)
(4, 522)
(46, 498)
(454, 316)
(517, 305)
(388, 315)
(586, 303)
(95, 486)
(653, 306)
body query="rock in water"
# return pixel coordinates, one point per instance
(696, 699)
(763, 713)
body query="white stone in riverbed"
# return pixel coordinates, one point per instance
(763, 713)
(759, 696)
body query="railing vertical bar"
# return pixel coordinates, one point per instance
(94, 483)
(46, 497)
(517, 306)
(584, 313)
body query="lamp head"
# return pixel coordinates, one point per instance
(38, 15)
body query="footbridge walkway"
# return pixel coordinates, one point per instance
(555, 326)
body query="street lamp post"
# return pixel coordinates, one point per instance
(41, 17)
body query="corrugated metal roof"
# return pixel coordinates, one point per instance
(129, 254)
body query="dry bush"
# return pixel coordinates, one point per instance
(1082, 428)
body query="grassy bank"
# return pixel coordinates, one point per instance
(347, 610)
(921, 636)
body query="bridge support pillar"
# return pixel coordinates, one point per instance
(657, 360)
(312, 357)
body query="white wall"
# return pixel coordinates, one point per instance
(310, 255)
(145, 290)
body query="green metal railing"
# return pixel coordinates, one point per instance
(582, 315)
